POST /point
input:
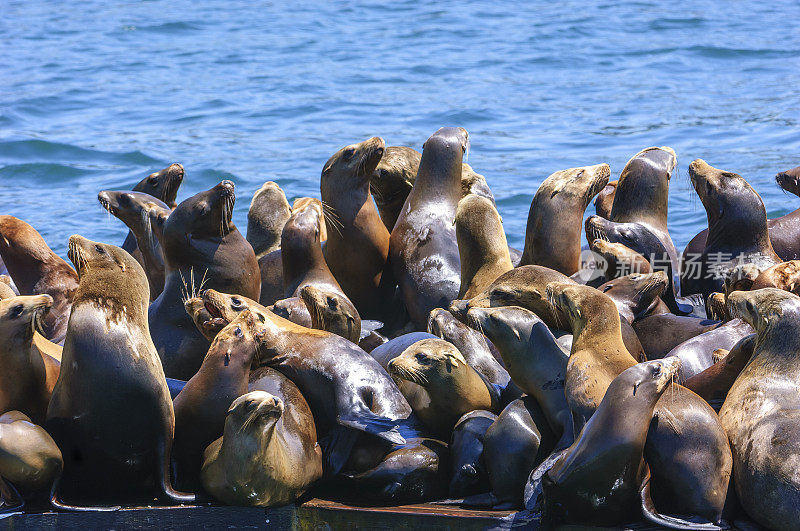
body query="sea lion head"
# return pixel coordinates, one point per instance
(785, 275)
(20, 241)
(392, 180)
(266, 217)
(213, 310)
(605, 199)
(110, 275)
(576, 304)
(204, 215)
(312, 202)
(427, 362)
(332, 312)
(133, 208)
(580, 184)
(789, 180)
(636, 294)
(163, 184)
(21, 315)
(237, 342)
(351, 165)
(648, 379)
(725, 195)
(620, 257)
(256, 412)
(766, 309)
(303, 227)
(502, 323)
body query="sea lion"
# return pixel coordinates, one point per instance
(385, 353)
(717, 306)
(23, 374)
(266, 217)
(6, 290)
(621, 260)
(111, 413)
(535, 361)
(356, 252)
(451, 387)
(514, 445)
(202, 249)
(163, 185)
(262, 459)
(469, 474)
(37, 270)
(713, 383)
(423, 248)
(637, 295)
(332, 312)
(348, 391)
(662, 332)
(785, 276)
(303, 202)
(596, 480)
(553, 233)
(696, 354)
(140, 212)
(29, 458)
(471, 344)
(605, 199)
(270, 267)
(760, 411)
(301, 255)
(482, 245)
(737, 224)
(202, 404)
(293, 309)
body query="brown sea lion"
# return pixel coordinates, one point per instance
(29, 458)
(553, 233)
(536, 363)
(738, 232)
(714, 383)
(717, 307)
(423, 248)
(37, 270)
(388, 351)
(785, 276)
(482, 245)
(760, 413)
(451, 387)
(301, 254)
(302, 202)
(697, 354)
(662, 332)
(469, 474)
(266, 217)
(270, 267)
(202, 404)
(605, 199)
(637, 295)
(202, 249)
(332, 312)
(6, 290)
(111, 413)
(140, 212)
(596, 481)
(23, 374)
(621, 260)
(163, 185)
(356, 251)
(262, 459)
(293, 309)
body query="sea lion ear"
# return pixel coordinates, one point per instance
(635, 387)
(259, 335)
(516, 334)
(121, 264)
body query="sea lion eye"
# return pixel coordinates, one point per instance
(99, 249)
(16, 311)
(607, 288)
(348, 153)
(238, 332)
(421, 358)
(236, 302)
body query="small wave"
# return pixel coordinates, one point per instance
(42, 150)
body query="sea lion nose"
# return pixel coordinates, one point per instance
(227, 184)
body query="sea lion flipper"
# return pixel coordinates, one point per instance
(336, 448)
(651, 514)
(532, 496)
(365, 420)
(10, 499)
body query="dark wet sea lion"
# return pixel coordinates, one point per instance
(37, 270)
(637, 295)
(597, 479)
(451, 387)
(661, 333)
(605, 199)
(29, 458)
(139, 212)
(696, 354)
(262, 459)
(760, 413)
(469, 475)
(293, 309)
(536, 362)
(553, 233)
(714, 383)
(482, 245)
(785, 276)
(356, 250)
(202, 404)
(163, 185)
(514, 445)
(202, 249)
(301, 255)
(332, 312)
(423, 248)
(23, 374)
(738, 233)
(472, 344)
(266, 217)
(111, 413)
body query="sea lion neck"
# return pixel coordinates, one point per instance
(734, 226)
(596, 320)
(439, 175)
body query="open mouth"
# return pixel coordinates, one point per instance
(216, 322)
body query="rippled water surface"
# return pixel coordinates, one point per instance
(95, 97)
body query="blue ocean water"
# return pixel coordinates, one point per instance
(96, 96)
